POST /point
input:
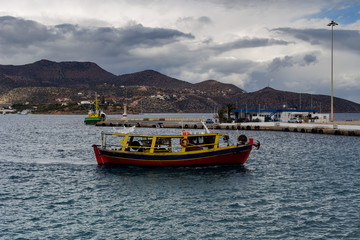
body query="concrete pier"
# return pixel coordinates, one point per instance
(345, 128)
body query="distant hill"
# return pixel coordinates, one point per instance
(215, 86)
(46, 73)
(151, 78)
(272, 98)
(47, 82)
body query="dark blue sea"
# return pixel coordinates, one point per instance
(297, 186)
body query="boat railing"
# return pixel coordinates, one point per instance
(163, 148)
(154, 144)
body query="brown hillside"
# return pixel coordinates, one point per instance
(46, 82)
(272, 98)
(152, 78)
(46, 73)
(215, 86)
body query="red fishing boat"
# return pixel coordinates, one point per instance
(202, 149)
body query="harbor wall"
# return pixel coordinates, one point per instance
(314, 128)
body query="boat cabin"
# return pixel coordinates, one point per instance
(161, 143)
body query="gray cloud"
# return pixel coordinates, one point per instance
(249, 43)
(344, 39)
(277, 63)
(204, 20)
(290, 61)
(140, 35)
(226, 66)
(309, 59)
(192, 24)
(28, 37)
(119, 38)
(19, 32)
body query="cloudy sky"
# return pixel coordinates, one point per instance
(252, 44)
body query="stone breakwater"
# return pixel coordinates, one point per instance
(338, 128)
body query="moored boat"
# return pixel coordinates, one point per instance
(95, 114)
(185, 149)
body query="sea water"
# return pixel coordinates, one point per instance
(297, 186)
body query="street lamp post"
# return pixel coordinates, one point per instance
(332, 24)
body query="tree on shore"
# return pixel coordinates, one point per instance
(229, 107)
(221, 113)
(224, 113)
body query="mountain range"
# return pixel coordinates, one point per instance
(48, 82)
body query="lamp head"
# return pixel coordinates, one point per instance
(332, 23)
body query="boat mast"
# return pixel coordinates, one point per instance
(96, 103)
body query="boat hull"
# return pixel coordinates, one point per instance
(92, 120)
(227, 156)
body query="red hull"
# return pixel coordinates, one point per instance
(236, 155)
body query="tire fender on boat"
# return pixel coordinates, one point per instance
(184, 142)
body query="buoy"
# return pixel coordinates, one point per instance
(184, 142)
